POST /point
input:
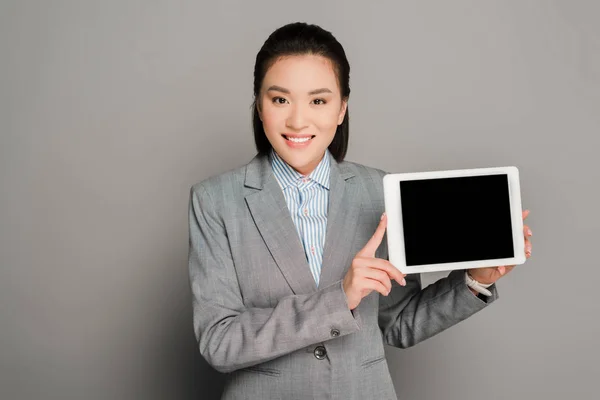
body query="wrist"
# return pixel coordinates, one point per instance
(477, 287)
(473, 274)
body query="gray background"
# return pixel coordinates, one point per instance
(111, 110)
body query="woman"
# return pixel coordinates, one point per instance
(292, 291)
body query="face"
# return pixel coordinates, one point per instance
(300, 106)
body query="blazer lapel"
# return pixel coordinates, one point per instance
(342, 218)
(272, 218)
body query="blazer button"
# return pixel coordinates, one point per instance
(335, 332)
(320, 352)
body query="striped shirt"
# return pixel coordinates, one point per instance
(307, 198)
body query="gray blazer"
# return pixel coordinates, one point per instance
(258, 314)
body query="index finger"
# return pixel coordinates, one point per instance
(373, 243)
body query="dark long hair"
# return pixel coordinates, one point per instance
(299, 39)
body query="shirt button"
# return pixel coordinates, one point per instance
(312, 249)
(335, 332)
(306, 211)
(320, 352)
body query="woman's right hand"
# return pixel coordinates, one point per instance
(368, 273)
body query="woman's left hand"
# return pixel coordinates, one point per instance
(489, 275)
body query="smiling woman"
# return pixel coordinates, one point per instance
(291, 109)
(301, 90)
(293, 294)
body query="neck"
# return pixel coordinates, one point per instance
(306, 170)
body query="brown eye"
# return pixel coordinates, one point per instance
(279, 100)
(319, 101)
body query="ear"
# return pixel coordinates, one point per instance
(343, 111)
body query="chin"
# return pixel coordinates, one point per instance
(299, 160)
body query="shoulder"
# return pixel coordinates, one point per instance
(220, 186)
(370, 181)
(364, 172)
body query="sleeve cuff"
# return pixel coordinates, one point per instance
(458, 279)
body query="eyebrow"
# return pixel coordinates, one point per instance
(284, 90)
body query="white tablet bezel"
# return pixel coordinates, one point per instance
(395, 238)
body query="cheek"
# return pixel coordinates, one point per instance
(327, 120)
(272, 121)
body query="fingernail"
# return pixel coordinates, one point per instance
(529, 232)
(382, 215)
(403, 282)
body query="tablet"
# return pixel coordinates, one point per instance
(456, 219)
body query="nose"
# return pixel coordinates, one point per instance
(297, 119)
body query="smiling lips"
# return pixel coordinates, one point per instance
(298, 141)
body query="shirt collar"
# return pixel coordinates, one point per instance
(288, 176)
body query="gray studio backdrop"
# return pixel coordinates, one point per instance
(111, 110)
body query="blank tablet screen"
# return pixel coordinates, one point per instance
(456, 219)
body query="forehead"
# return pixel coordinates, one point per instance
(302, 73)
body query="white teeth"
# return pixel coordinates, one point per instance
(299, 140)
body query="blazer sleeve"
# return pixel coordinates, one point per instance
(232, 336)
(410, 314)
